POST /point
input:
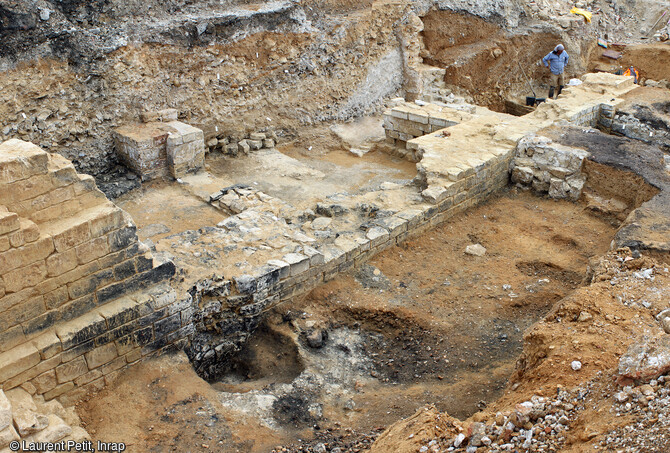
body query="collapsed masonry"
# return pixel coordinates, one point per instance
(30, 419)
(83, 299)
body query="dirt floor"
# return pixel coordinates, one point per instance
(161, 208)
(391, 337)
(324, 160)
(594, 325)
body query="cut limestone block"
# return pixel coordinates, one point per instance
(142, 148)
(17, 360)
(5, 411)
(185, 149)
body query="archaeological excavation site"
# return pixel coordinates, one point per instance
(335, 226)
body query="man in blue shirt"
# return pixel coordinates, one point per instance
(556, 61)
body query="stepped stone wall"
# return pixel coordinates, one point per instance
(69, 259)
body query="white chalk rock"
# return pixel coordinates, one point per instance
(475, 250)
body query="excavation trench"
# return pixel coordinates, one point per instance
(422, 323)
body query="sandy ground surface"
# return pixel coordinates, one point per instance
(301, 172)
(398, 336)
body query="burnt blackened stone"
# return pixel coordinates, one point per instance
(143, 336)
(122, 238)
(211, 351)
(331, 210)
(167, 325)
(124, 270)
(246, 284)
(267, 277)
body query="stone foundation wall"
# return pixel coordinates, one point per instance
(459, 167)
(89, 352)
(408, 121)
(227, 311)
(549, 168)
(69, 259)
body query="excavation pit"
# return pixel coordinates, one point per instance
(269, 357)
(395, 336)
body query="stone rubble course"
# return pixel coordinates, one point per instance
(550, 168)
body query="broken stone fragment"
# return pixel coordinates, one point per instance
(330, 210)
(522, 175)
(645, 359)
(664, 319)
(584, 316)
(24, 411)
(477, 431)
(316, 338)
(56, 430)
(475, 250)
(232, 149)
(321, 223)
(243, 147)
(255, 144)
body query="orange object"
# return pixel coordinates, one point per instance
(633, 72)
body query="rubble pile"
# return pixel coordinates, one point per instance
(649, 405)
(31, 420)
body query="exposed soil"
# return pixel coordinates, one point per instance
(316, 164)
(594, 325)
(651, 60)
(483, 58)
(447, 334)
(161, 208)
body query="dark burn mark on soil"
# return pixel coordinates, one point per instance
(292, 410)
(551, 271)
